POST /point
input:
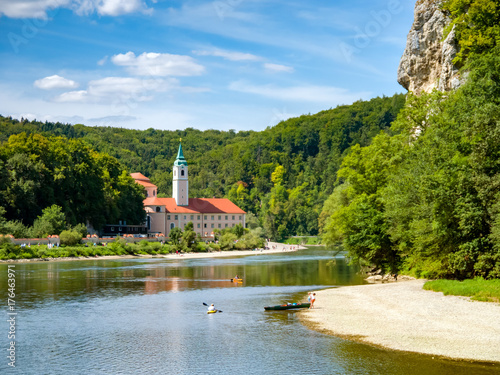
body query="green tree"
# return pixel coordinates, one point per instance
(52, 221)
(175, 236)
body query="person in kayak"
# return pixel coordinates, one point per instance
(212, 308)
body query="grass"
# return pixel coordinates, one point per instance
(305, 240)
(478, 289)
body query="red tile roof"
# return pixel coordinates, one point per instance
(139, 176)
(145, 183)
(196, 205)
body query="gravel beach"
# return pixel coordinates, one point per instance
(403, 316)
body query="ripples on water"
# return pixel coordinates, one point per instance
(146, 316)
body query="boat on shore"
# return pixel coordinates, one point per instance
(289, 306)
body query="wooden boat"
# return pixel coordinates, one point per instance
(289, 306)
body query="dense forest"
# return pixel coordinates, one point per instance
(427, 199)
(282, 174)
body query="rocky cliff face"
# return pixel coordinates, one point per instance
(427, 60)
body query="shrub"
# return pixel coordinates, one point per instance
(70, 237)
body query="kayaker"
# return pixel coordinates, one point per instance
(212, 308)
(236, 278)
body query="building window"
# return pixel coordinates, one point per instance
(199, 217)
(212, 225)
(212, 217)
(240, 217)
(219, 217)
(172, 225)
(182, 172)
(226, 217)
(205, 225)
(176, 217)
(198, 225)
(233, 217)
(226, 225)
(219, 225)
(168, 217)
(158, 209)
(205, 217)
(154, 193)
(184, 217)
(233, 224)
(192, 217)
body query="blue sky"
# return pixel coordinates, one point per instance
(229, 64)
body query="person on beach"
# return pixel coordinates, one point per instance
(313, 298)
(309, 297)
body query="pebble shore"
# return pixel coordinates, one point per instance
(403, 316)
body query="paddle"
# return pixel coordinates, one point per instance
(206, 304)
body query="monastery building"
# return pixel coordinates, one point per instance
(207, 214)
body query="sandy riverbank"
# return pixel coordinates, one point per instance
(403, 316)
(279, 248)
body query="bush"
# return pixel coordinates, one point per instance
(70, 237)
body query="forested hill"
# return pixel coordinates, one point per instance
(282, 174)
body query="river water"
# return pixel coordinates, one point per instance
(146, 316)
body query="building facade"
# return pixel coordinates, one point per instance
(206, 214)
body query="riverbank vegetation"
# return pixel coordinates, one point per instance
(235, 238)
(303, 240)
(478, 289)
(425, 201)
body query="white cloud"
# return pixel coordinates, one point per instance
(72, 96)
(278, 68)
(119, 89)
(158, 64)
(309, 93)
(39, 8)
(55, 82)
(102, 61)
(229, 55)
(30, 8)
(120, 7)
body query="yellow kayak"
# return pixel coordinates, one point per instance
(211, 311)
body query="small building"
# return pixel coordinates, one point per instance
(206, 214)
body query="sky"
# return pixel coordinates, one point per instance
(176, 64)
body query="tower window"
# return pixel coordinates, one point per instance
(158, 209)
(182, 172)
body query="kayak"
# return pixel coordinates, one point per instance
(288, 306)
(211, 311)
(237, 280)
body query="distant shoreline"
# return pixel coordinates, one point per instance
(403, 316)
(281, 248)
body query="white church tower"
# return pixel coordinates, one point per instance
(180, 180)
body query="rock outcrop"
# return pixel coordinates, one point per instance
(427, 61)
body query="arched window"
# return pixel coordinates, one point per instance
(158, 209)
(172, 225)
(182, 172)
(154, 193)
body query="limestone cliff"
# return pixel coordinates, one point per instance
(427, 60)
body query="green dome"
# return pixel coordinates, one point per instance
(180, 158)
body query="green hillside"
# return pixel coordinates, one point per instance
(305, 151)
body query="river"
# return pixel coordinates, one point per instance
(146, 316)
